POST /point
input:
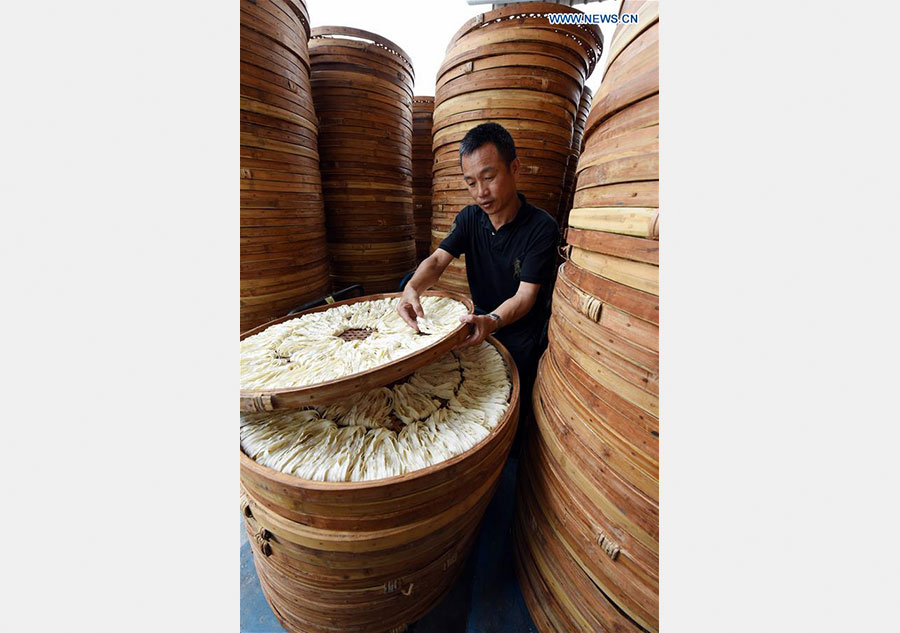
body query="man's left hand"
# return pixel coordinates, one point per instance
(482, 327)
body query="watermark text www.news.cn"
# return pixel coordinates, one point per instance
(592, 18)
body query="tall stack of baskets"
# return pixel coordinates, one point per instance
(568, 194)
(422, 161)
(284, 260)
(369, 556)
(513, 67)
(587, 524)
(363, 89)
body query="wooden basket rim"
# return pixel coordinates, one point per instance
(525, 8)
(382, 42)
(292, 481)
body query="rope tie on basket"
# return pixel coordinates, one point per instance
(260, 403)
(590, 306)
(609, 546)
(262, 539)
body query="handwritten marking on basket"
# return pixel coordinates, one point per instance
(449, 561)
(609, 546)
(396, 585)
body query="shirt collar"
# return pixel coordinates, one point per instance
(524, 212)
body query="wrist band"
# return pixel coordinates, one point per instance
(496, 318)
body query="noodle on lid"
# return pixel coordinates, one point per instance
(438, 412)
(310, 349)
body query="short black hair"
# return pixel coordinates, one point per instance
(489, 133)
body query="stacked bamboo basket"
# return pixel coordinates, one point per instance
(370, 556)
(422, 161)
(363, 88)
(512, 67)
(283, 250)
(587, 523)
(568, 193)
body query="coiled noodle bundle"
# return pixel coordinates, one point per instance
(310, 349)
(440, 411)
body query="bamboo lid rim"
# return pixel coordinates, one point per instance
(333, 390)
(346, 32)
(534, 9)
(509, 417)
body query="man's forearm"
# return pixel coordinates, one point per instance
(426, 275)
(514, 309)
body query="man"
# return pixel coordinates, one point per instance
(510, 248)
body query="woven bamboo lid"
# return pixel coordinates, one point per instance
(380, 376)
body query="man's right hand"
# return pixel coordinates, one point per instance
(409, 307)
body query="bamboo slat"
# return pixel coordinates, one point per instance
(372, 556)
(629, 273)
(568, 193)
(422, 163)
(284, 259)
(637, 221)
(512, 67)
(362, 89)
(587, 530)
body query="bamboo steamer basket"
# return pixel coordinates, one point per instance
(512, 67)
(284, 259)
(422, 162)
(587, 525)
(372, 556)
(335, 390)
(568, 192)
(362, 88)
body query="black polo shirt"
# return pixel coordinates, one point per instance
(524, 249)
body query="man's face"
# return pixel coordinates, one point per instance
(491, 183)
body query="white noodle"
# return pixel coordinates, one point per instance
(309, 349)
(441, 411)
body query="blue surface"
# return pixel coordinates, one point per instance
(485, 599)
